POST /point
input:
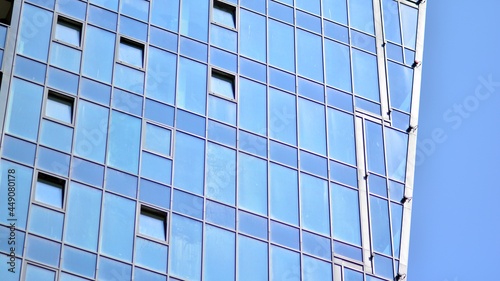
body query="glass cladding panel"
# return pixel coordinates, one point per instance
(156, 168)
(30, 69)
(338, 65)
(377, 185)
(280, 11)
(222, 110)
(3, 35)
(91, 131)
(62, 80)
(394, 52)
(391, 20)
(383, 266)
(400, 86)
(65, 57)
(252, 143)
(282, 117)
(335, 10)
(78, 261)
(339, 99)
(194, 19)
(252, 184)
(281, 45)
(98, 54)
(131, 53)
(285, 235)
(151, 255)
(124, 142)
(223, 14)
(192, 96)
(110, 4)
(223, 38)
(141, 274)
(314, 204)
(73, 8)
(312, 131)
(381, 236)
(109, 269)
(189, 163)
(252, 259)
(102, 18)
(159, 112)
(37, 273)
(283, 153)
(351, 275)
(221, 173)
(312, 6)
(252, 225)
(117, 232)
(341, 138)
(253, 69)
(308, 21)
(396, 224)
(133, 28)
(375, 148)
(317, 245)
(185, 248)
(157, 139)
(165, 13)
(46, 222)
(284, 194)
(191, 123)
(316, 270)
(313, 164)
(129, 79)
(19, 150)
(396, 191)
(220, 214)
(285, 264)
(345, 214)
(222, 85)
(35, 32)
(219, 254)
(95, 91)
(23, 110)
(155, 194)
(397, 147)
(43, 250)
(365, 75)
(309, 55)
(361, 15)
(252, 35)
(138, 9)
(188, 204)
(68, 32)
(127, 102)
(223, 59)
(409, 17)
(252, 106)
(53, 161)
(193, 49)
(23, 187)
(121, 183)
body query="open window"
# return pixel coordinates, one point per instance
(223, 84)
(59, 107)
(68, 31)
(50, 190)
(131, 52)
(153, 223)
(6, 11)
(224, 14)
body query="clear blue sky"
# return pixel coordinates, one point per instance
(455, 232)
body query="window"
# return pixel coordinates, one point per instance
(222, 84)
(6, 11)
(224, 14)
(153, 223)
(131, 52)
(59, 107)
(50, 190)
(68, 31)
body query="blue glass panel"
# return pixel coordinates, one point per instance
(129, 79)
(46, 222)
(127, 102)
(282, 117)
(253, 69)
(156, 168)
(252, 224)
(102, 18)
(313, 164)
(252, 143)
(314, 204)
(222, 133)
(159, 112)
(95, 91)
(157, 139)
(19, 150)
(161, 75)
(121, 183)
(65, 57)
(223, 59)
(377, 185)
(5, 234)
(281, 42)
(186, 237)
(131, 53)
(165, 13)
(375, 148)
(365, 75)
(368, 106)
(285, 264)
(252, 184)
(78, 261)
(400, 85)
(280, 11)
(311, 90)
(192, 96)
(379, 213)
(82, 214)
(338, 65)
(309, 54)
(383, 267)
(3, 35)
(224, 15)
(316, 245)
(188, 204)
(341, 140)
(189, 163)
(151, 255)
(252, 259)
(339, 99)
(256, 5)
(193, 49)
(343, 173)
(133, 28)
(308, 21)
(155, 194)
(110, 4)
(194, 19)
(141, 274)
(23, 187)
(223, 38)
(30, 69)
(312, 130)
(316, 270)
(23, 111)
(62, 80)
(34, 34)
(284, 194)
(98, 54)
(285, 235)
(282, 79)
(345, 214)
(109, 269)
(163, 39)
(220, 214)
(409, 57)
(124, 142)
(347, 250)
(312, 6)
(117, 231)
(396, 224)
(363, 41)
(409, 17)
(361, 15)
(53, 161)
(335, 10)
(219, 255)
(397, 145)
(221, 173)
(252, 34)
(73, 8)
(222, 110)
(391, 21)
(38, 273)
(4, 267)
(42, 250)
(283, 153)
(336, 31)
(87, 172)
(394, 52)
(138, 9)
(192, 123)
(396, 191)
(252, 106)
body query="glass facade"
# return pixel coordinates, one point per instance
(207, 139)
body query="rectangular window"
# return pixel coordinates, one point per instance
(222, 84)
(153, 223)
(59, 107)
(50, 190)
(68, 31)
(131, 52)
(6, 11)
(224, 14)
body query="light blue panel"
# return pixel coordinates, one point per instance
(157, 139)
(30, 69)
(98, 54)
(341, 142)
(82, 216)
(256, 5)
(156, 168)
(155, 194)
(110, 4)
(396, 224)
(252, 225)
(73, 8)
(95, 91)
(338, 65)
(345, 214)
(189, 163)
(312, 129)
(102, 18)
(141, 274)
(165, 13)
(124, 142)
(151, 255)
(221, 173)
(23, 178)
(192, 96)
(316, 270)
(186, 237)
(127, 102)
(3, 36)
(62, 80)
(316, 245)
(91, 131)
(400, 86)
(121, 183)
(281, 45)
(9, 276)
(109, 269)
(384, 266)
(335, 10)
(223, 38)
(365, 75)
(220, 214)
(23, 110)
(285, 235)
(188, 204)
(312, 6)
(381, 236)
(252, 35)
(285, 264)
(309, 55)
(252, 143)
(53, 161)
(284, 194)
(129, 79)
(221, 133)
(252, 106)
(409, 17)
(222, 110)
(45, 222)
(117, 233)
(224, 60)
(314, 204)
(160, 75)
(375, 148)
(193, 49)
(282, 117)
(4, 241)
(19, 150)
(65, 57)
(87, 172)
(391, 21)
(78, 261)
(38, 273)
(361, 15)
(162, 38)
(252, 260)
(252, 184)
(219, 254)
(351, 275)
(396, 150)
(137, 9)
(43, 250)
(194, 19)
(34, 34)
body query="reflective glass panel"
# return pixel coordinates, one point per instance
(281, 45)
(165, 13)
(409, 17)
(375, 148)
(314, 204)
(252, 106)
(192, 96)
(312, 131)
(285, 264)
(365, 75)
(316, 270)
(379, 213)
(282, 116)
(98, 54)
(341, 141)
(345, 214)
(397, 146)
(34, 40)
(189, 163)
(221, 173)
(252, 35)
(160, 75)
(252, 259)
(361, 15)
(186, 238)
(400, 85)
(219, 254)
(68, 32)
(309, 55)
(194, 19)
(124, 142)
(284, 194)
(151, 255)
(338, 65)
(252, 184)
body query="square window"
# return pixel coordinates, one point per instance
(59, 107)
(131, 52)
(6, 11)
(50, 190)
(222, 84)
(224, 14)
(153, 223)
(68, 31)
